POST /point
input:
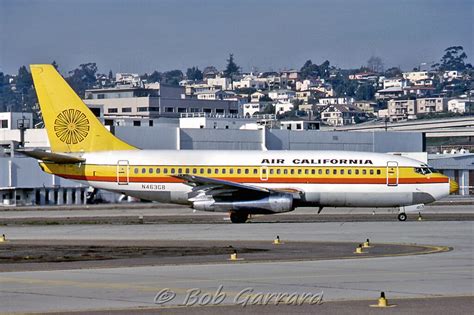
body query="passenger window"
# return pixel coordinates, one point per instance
(320, 172)
(209, 171)
(231, 171)
(364, 172)
(223, 171)
(278, 171)
(180, 171)
(143, 170)
(246, 171)
(379, 172)
(334, 171)
(150, 170)
(306, 171)
(239, 171)
(216, 171)
(136, 170)
(255, 171)
(172, 171)
(342, 172)
(157, 171)
(356, 172)
(195, 170)
(300, 172)
(313, 171)
(165, 170)
(371, 172)
(292, 171)
(264, 171)
(271, 171)
(349, 172)
(187, 171)
(201, 171)
(285, 171)
(328, 171)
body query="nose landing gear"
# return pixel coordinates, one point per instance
(238, 217)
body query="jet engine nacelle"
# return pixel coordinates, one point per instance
(274, 203)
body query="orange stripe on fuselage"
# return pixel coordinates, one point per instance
(274, 180)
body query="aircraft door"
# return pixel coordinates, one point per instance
(264, 173)
(392, 173)
(123, 172)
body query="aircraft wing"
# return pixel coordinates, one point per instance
(217, 187)
(51, 157)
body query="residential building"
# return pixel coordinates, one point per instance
(283, 95)
(220, 83)
(451, 75)
(130, 79)
(364, 76)
(301, 125)
(340, 115)
(283, 107)
(290, 76)
(431, 105)
(216, 95)
(365, 106)
(304, 96)
(167, 101)
(461, 105)
(389, 93)
(336, 100)
(401, 109)
(251, 109)
(416, 76)
(394, 82)
(256, 96)
(250, 81)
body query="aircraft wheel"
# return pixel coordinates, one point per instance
(236, 217)
(402, 216)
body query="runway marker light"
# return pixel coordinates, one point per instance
(419, 217)
(3, 238)
(382, 301)
(140, 219)
(233, 256)
(366, 244)
(277, 241)
(359, 250)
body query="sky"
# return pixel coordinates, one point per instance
(142, 36)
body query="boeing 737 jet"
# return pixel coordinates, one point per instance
(239, 182)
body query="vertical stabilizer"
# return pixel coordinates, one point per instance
(70, 124)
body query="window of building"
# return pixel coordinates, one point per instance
(181, 110)
(112, 110)
(150, 123)
(207, 110)
(100, 96)
(169, 109)
(219, 111)
(126, 110)
(137, 123)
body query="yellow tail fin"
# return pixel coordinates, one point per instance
(70, 124)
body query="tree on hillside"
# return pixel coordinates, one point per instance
(172, 77)
(375, 64)
(310, 70)
(194, 74)
(232, 69)
(453, 59)
(83, 78)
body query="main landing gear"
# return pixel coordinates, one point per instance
(402, 216)
(238, 217)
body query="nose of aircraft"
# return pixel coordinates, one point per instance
(453, 186)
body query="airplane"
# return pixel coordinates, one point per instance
(242, 183)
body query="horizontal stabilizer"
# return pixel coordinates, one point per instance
(51, 157)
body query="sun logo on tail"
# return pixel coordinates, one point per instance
(71, 126)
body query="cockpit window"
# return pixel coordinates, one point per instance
(424, 170)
